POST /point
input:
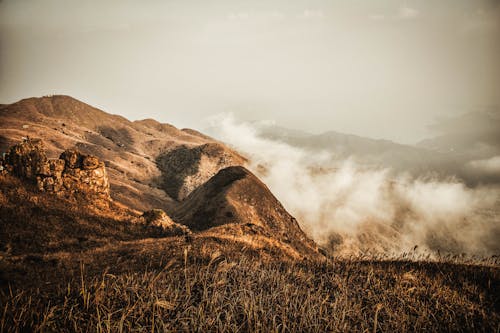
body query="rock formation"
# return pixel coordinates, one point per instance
(26, 159)
(71, 173)
(157, 218)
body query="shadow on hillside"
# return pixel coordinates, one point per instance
(120, 136)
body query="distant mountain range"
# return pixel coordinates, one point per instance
(442, 156)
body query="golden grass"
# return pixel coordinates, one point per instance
(194, 293)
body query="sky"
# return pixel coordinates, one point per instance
(381, 69)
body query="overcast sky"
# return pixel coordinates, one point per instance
(381, 69)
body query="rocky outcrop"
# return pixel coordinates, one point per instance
(26, 159)
(159, 220)
(72, 173)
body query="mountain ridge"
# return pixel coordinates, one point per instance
(131, 148)
(187, 162)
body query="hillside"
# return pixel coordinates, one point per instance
(83, 205)
(135, 152)
(234, 196)
(60, 211)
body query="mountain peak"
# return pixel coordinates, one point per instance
(238, 203)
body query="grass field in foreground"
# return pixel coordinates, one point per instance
(192, 293)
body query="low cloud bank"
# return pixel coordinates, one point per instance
(487, 170)
(351, 208)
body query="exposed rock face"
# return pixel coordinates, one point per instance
(157, 218)
(72, 173)
(186, 168)
(83, 174)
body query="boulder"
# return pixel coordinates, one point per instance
(157, 218)
(27, 159)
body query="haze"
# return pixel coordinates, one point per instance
(385, 69)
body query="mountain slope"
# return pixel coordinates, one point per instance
(188, 170)
(237, 203)
(134, 151)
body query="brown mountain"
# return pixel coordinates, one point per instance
(235, 203)
(150, 165)
(72, 259)
(197, 180)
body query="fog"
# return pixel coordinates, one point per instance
(353, 208)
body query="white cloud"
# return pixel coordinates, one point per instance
(488, 166)
(407, 13)
(366, 206)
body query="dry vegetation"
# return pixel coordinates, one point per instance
(35, 222)
(192, 293)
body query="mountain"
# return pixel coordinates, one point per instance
(235, 198)
(474, 140)
(150, 165)
(473, 134)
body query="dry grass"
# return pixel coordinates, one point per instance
(192, 293)
(37, 222)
